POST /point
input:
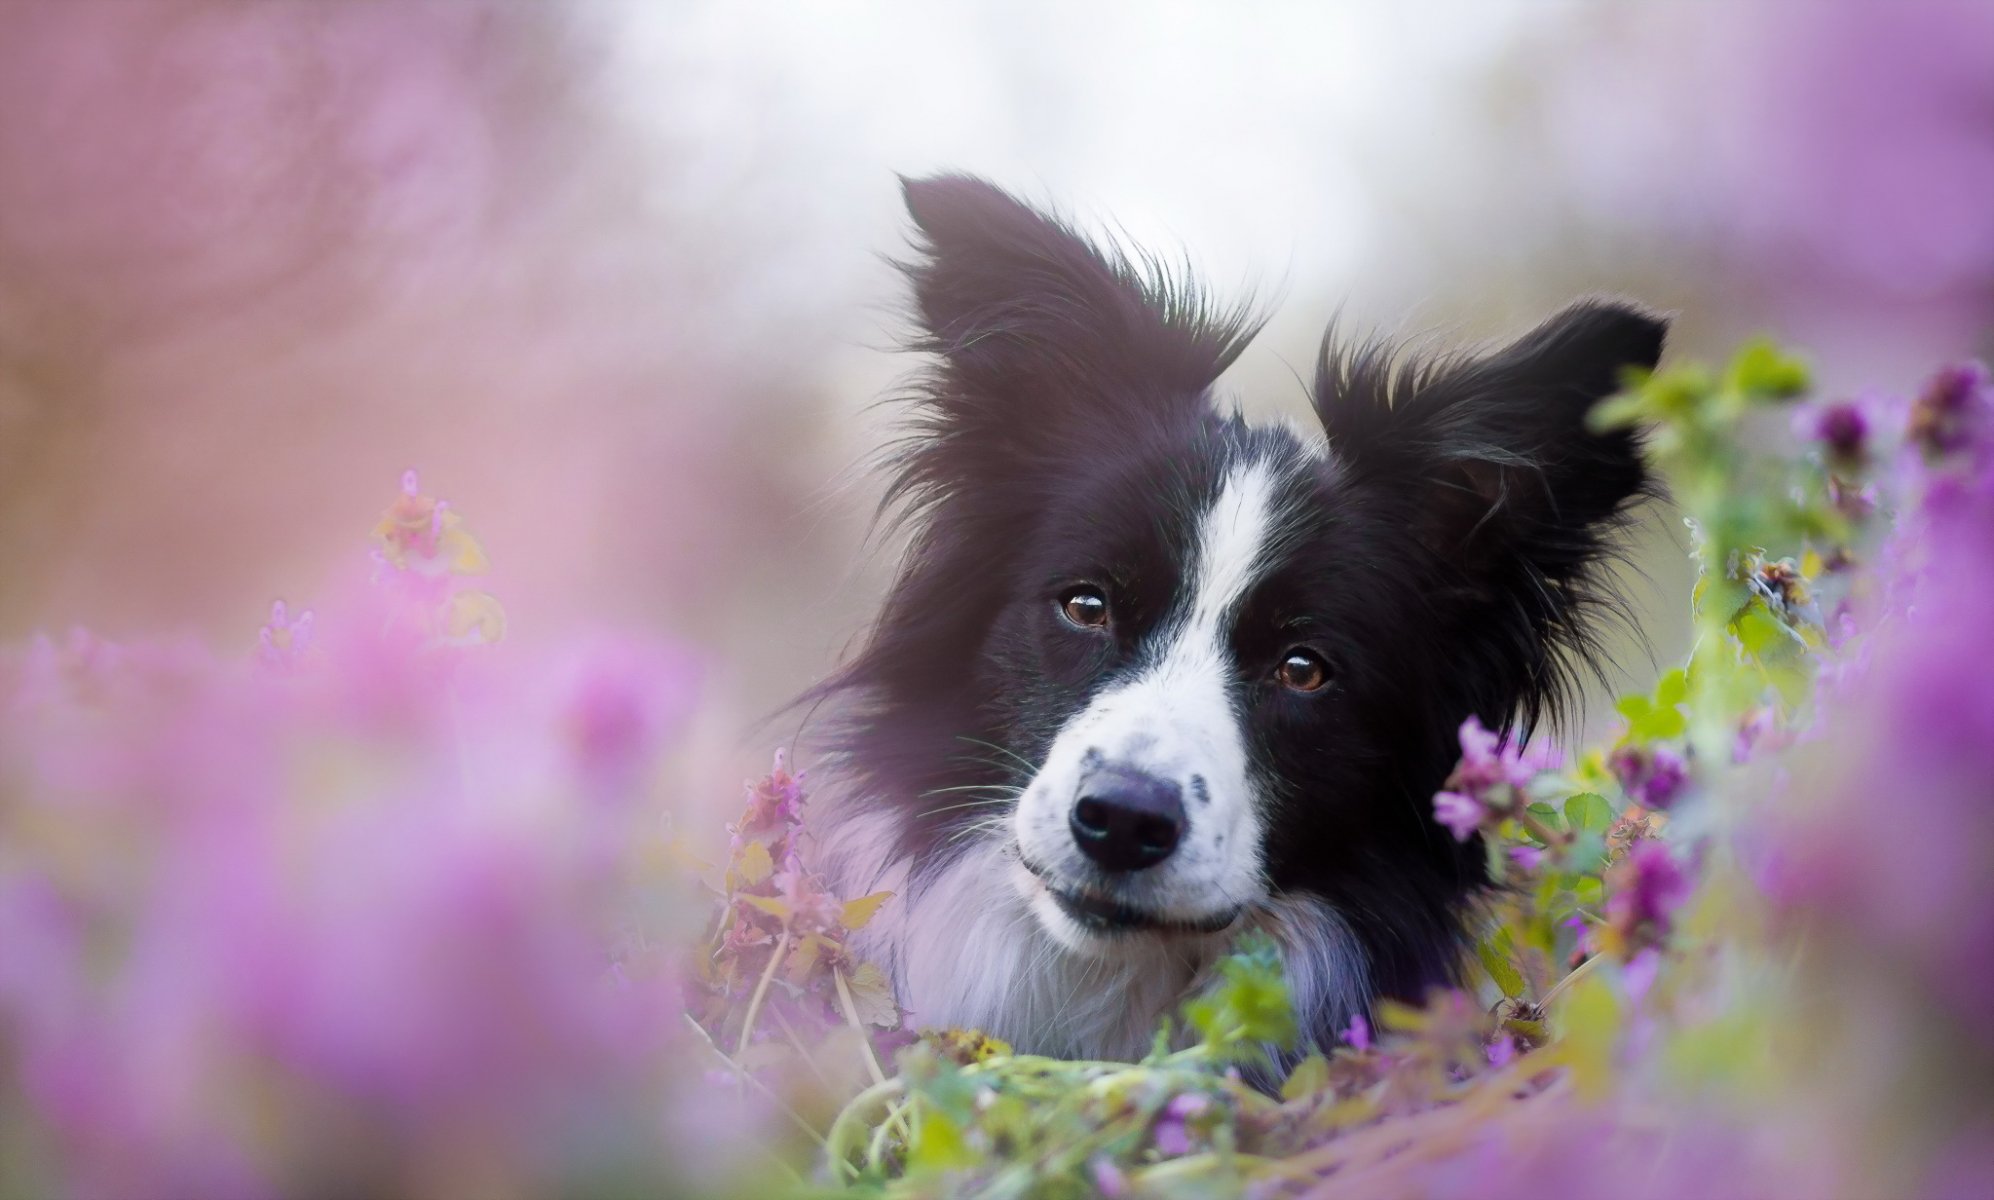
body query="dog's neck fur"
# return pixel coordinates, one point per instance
(964, 950)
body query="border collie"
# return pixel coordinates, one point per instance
(1150, 676)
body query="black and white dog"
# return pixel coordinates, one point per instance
(1150, 677)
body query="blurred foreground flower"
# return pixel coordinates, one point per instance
(258, 941)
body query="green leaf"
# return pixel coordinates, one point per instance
(1761, 370)
(1587, 855)
(1589, 1023)
(753, 864)
(771, 905)
(1617, 412)
(1758, 631)
(1588, 812)
(1663, 724)
(857, 912)
(872, 996)
(1311, 1075)
(939, 1145)
(1500, 969)
(1247, 1005)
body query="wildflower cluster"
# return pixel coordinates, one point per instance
(779, 982)
(366, 914)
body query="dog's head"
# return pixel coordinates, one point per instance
(1183, 664)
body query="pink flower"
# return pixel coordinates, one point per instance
(284, 642)
(775, 801)
(812, 906)
(1461, 814)
(1490, 778)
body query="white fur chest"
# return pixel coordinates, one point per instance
(967, 951)
(964, 949)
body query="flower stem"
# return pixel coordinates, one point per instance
(757, 1084)
(1576, 973)
(852, 1015)
(761, 991)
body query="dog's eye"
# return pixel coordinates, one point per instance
(1302, 670)
(1084, 608)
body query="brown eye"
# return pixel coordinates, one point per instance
(1302, 671)
(1084, 608)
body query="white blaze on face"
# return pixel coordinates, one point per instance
(1174, 720)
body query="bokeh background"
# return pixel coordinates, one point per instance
(614, 273)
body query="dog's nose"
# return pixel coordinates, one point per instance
(1126, 820)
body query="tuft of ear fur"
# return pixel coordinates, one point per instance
(1489, 463)
(1045, 337)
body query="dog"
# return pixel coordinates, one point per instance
(1151, 677)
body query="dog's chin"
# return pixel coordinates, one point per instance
(1091, 924)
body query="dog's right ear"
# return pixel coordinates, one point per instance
(1044, 337)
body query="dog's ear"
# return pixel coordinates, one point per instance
(1492, 453)
(1488, 463)
(1044, 336)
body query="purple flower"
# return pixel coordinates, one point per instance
(1526, 857)
(1647, 887)
(1488, 762)
(1667, 775)
(1357, 1035)
(775, 801)
(1844, 428)
(1461, 814)
(1108, 1178)
(1490, 778)
(1952, 413)
(1754, 729)
(1502, 1051)
(1639, 974)
(622, 701)
(1173, 1134)
(1652, 776)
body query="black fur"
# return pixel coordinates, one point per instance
(1442, 556)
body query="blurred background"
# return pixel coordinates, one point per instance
(614, 274)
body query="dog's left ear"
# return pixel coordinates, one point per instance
(1489, 458)
(1045, 334)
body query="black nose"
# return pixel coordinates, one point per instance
(1126, 820)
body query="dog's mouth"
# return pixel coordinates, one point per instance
(1103, 915)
